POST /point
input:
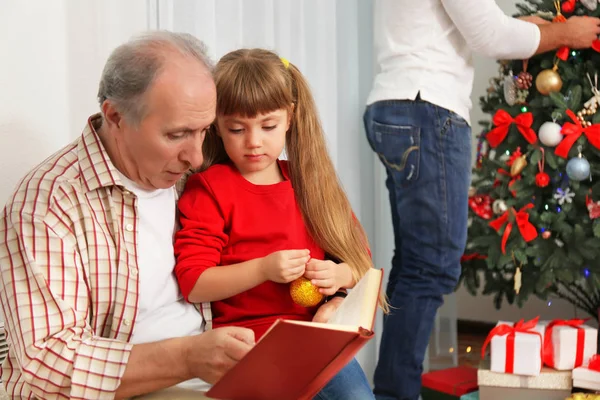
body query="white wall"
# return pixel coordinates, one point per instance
(481, 308)
(52, 56)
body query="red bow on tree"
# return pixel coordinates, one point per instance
(503, 121)
(511, 330)
(572, 132)
(526, 228)
(549, 346)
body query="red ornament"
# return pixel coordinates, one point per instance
(542, 179)
(481, 205)
(546, 234)
(593, 207)
(568, 6)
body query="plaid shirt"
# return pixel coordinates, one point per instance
(69, 276)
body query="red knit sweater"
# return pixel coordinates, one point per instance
(227, 220)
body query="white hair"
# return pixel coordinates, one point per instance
(132, 67)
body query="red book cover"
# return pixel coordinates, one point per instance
(455, 381)
(294, 360)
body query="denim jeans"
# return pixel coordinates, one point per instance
(426, 151)
(349, 384)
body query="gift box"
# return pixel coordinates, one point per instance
(569, 344)
(586, 378)
(516, 348)
(550, 384)
(448, 384)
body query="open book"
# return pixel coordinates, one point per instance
(294, 360)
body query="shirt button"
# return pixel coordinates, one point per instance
(126, 192)
(134, 271)
(129, 227)
(126, 322)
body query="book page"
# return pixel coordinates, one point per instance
(359, 308)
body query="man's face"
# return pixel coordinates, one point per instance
(180, 106)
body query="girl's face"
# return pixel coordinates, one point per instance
(254, 144)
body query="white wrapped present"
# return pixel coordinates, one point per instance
(569, 344)
(516, 348)
(587, 378)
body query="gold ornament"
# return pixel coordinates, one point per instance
(518, 165)
(548, 81)
(304, 293)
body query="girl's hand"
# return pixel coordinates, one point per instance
(328, 276)
(286, 265)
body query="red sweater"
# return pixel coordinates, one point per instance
(227, 220)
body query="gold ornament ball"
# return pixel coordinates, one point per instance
(548, 81)
(304, 293)
(518, 165)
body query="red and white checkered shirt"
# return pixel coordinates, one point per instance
(69, 278)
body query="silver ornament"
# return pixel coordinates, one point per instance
(550, 134)
(499, 206)
(590, 4)
(510, 89)
(578, 168)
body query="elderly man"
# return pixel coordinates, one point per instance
(91, 306)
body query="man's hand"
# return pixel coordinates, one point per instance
(581, 31)
(286, 265)
(211, 354)
(534, 19)
(328, 276)
(327, 309)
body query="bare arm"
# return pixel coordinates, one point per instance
(221, 282)
(155, 366)
(577, 32)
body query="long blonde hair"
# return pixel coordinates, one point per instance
(256, 81)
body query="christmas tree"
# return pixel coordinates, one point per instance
(534, 226)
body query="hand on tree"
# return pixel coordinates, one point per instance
(328, 276)
(286, 265)
(581, 31)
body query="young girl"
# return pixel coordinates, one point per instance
(251, 223)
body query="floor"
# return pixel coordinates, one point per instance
(471, 336)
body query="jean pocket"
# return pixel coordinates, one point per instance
(398, 149)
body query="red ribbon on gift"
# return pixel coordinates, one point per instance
(526, 228)
(594, 364)
(549, 348)
(572, 132)
(503, 121)
(504, 329)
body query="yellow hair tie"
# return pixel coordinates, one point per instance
(285, 62)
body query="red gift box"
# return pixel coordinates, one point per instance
(454, 381)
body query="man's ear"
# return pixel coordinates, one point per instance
(112, 117)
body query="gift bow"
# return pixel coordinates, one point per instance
(511, 331)
(594, 364)
(549, 348)
(503, 121)
(572, 132)
(526, 228)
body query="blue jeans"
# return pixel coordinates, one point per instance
(349, 384)
(426, 151)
